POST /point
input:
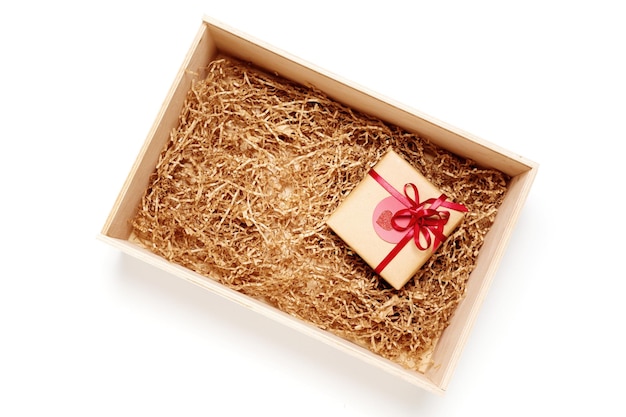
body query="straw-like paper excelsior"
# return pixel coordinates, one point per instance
(243, 188)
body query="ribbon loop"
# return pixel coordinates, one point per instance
(423, 217)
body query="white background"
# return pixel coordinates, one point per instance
(88, 331)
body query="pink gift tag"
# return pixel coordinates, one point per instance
(381, 220)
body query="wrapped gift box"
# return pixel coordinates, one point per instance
(365, 219)
(215, 39)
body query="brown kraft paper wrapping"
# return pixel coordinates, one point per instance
(360, 221)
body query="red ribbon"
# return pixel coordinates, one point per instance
(420, 220)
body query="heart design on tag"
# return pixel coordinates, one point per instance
(381, 220)
(384, 220)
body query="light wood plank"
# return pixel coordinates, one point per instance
(237, 44)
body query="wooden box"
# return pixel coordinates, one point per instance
(214, 38)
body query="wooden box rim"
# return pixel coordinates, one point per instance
(215, 37)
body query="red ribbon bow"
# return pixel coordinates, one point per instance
(422, 221)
